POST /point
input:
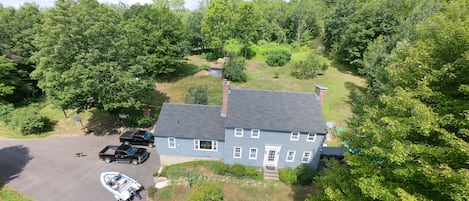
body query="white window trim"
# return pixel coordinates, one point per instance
(258, 133)
(293, 158)
(240, 152)
(309, 158)
(197, 145)
(169, 142)
(293, 139)
(253, 158)
(314, 137)
(242, 131)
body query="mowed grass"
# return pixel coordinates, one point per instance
(270, 190)
(9, 194)
(339, 81)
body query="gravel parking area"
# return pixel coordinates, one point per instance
(49, 170)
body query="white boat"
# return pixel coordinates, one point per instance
(120, 185)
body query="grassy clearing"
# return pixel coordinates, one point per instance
(9, 194)
(338, 79)
(233, 188)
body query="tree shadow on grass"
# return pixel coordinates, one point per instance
(12, 162)
(344, 68)
(105, 123)
(354, 91)
(182, 71)
(303, 192)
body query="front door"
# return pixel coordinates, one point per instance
(271, 155)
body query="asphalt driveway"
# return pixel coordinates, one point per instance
(48, 170)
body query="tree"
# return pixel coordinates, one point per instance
(278, 57)
(246, 24)
(197, 95)
(7, 82)
(413, 133)
(81, 64)
(233, 70)
(217, 23)
(154, 37)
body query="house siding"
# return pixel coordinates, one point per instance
(273, 138)
(185, 147)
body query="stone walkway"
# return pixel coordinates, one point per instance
(225, 179)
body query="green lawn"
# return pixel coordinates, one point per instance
(9, 194)
(338, 79)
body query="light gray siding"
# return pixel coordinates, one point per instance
(271, 138)
(185, 147)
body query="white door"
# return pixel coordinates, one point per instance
(271, 155)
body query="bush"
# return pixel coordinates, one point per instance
(288, 175)
(234, 71)
(221, 168)
(278, 57)
(29, 121)
(206, 191)
(238, 170)
(304, 174)
(204, 67)
(6, 111)
(197, 95)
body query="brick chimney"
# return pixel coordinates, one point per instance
(321, 93)
(226, 92)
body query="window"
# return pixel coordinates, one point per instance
(306, 157)
(238, 132)
(237, 152)
(205, 145)
(291, 155)
(253, 153)
(295, 136)
(255, 133)
(172, 142)
(311, 137)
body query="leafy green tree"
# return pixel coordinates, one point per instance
(246, 25)
(7, 81)
(154, 37)
(80, 62)
(218, 23)
(197, 95)
(413, 134)
(233, 70)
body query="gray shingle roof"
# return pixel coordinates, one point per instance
(190, 121)
(275, 110)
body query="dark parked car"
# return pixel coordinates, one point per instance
(138, 137)
(124, 153)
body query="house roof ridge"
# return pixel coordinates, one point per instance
(281, 91)
(186, 104)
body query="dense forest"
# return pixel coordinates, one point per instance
(407, 140)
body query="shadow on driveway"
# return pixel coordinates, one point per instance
(12, 162)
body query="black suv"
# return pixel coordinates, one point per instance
(138, 137)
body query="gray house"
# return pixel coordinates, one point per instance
(258, 128)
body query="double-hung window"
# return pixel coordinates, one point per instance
(171, 142)
(205, 145)
(311, 137)
(238, 132)
(237, 152)
(291, 155)
(295, 136)
(255, 133)
(306, 157)
(253, 153)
